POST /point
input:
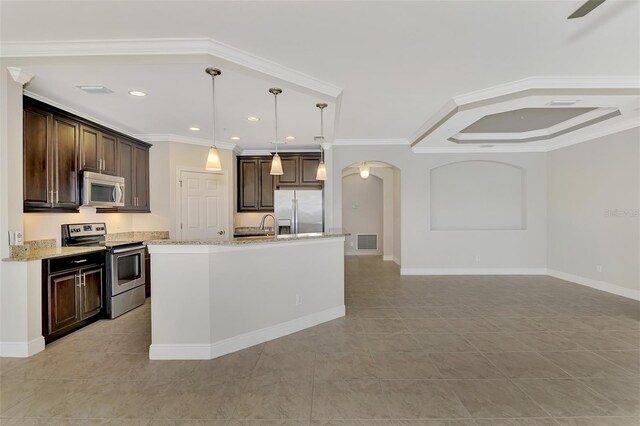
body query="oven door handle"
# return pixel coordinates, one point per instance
(128, 249)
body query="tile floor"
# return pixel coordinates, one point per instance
(412, 351)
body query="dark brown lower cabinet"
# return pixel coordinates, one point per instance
(72, 296)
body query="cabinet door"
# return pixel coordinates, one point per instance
(36, 164)
(91, 300)
(248, 194)
(65, 163)
(64, 300)
(89, 149)
(308, 170)
(125, 169)
(141, 177)
(265, 185)
(108, 153)
(290, 169)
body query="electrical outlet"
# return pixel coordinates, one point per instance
(599, 268)
(18, 238)
(298, 299)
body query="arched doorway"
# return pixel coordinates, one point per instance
(371, 210)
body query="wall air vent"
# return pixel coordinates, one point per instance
(94, 89)
(367, 241)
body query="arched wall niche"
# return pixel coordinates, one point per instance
(477, 195)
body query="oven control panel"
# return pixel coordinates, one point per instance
(86, 229)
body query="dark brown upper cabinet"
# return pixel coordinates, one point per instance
(98, 151)
(57, 145)
(50, 161)
(256, 185)
(299, 171)
(132, 163)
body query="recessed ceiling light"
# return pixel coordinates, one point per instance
(195, 129)
(290, 138)
(563, 102)
(253, 118)
(137, 93)
(235, 138)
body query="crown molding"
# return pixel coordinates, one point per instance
(620, 127)
(168, 46)
(476, 149)
(250, 151)
(369, 142)
(170, 137)
(79, 113)
(19, 75)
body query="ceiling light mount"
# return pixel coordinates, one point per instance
(213, 72)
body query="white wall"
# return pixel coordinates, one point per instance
(593, 219)
(362, 211)
(426, 251)
(397, 218)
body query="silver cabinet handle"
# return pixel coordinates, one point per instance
(84, 280)
(77, 280)
(57, 197)
(79, 261)
(51, 196)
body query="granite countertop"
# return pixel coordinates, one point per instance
(251, 240)
(50, 252)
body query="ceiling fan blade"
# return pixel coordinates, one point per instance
(585, 8)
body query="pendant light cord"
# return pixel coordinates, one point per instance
(322, 134)
(275, 101)
(213, 94)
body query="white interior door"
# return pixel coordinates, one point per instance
(203, 201)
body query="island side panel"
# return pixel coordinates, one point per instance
(264, 291)
(180, 308)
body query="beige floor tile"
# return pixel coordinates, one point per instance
(629, 360)
(431, 422)
(382, 325)
(239, 364)
(517, 324)
(547, 341)
(402, 342)
(344, 365)
(404, 365)
(348, 399)
(422, 312)
(517, 422)
(286, 366)
(422, 399)
(496, 342)
(443, 342)
(624, 392)
(277, 400)
(525, 365)
(584, 364)
(428, 325)
(598, 421)
(268, 423)
(567, 397)
(495, 398)
(600, 340)
(464, 366)
(471, 325)
(12, 391)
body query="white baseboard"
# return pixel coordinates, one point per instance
(598, 285)
(473, 271)
(387, 257)
(22, 349)
(242, 341)
(396, 260)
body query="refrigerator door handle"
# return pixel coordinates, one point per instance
(295, 216)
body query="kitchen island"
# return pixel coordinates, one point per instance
(214, 297)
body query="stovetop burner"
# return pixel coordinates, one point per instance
(91, 235)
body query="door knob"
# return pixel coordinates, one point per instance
(220, 232)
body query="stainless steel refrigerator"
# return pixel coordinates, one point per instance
(299, 211)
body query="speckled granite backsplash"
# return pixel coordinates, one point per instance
(137, 235)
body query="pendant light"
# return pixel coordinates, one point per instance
(364, 170)
(276, 164)
(213, 159)
(321, 174)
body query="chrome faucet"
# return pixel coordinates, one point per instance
(263, 220)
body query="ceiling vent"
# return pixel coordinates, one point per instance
(94, 89)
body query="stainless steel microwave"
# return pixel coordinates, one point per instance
(100, 190)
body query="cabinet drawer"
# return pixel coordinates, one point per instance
(75, 262)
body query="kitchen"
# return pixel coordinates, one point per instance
(88, 180)
(378, 212)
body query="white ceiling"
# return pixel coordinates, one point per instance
(397, 63)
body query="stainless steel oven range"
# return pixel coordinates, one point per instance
(125, 265)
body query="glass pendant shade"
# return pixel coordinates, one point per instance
(213, 159)
(364, 171)
(276, 166)
(322, 172)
